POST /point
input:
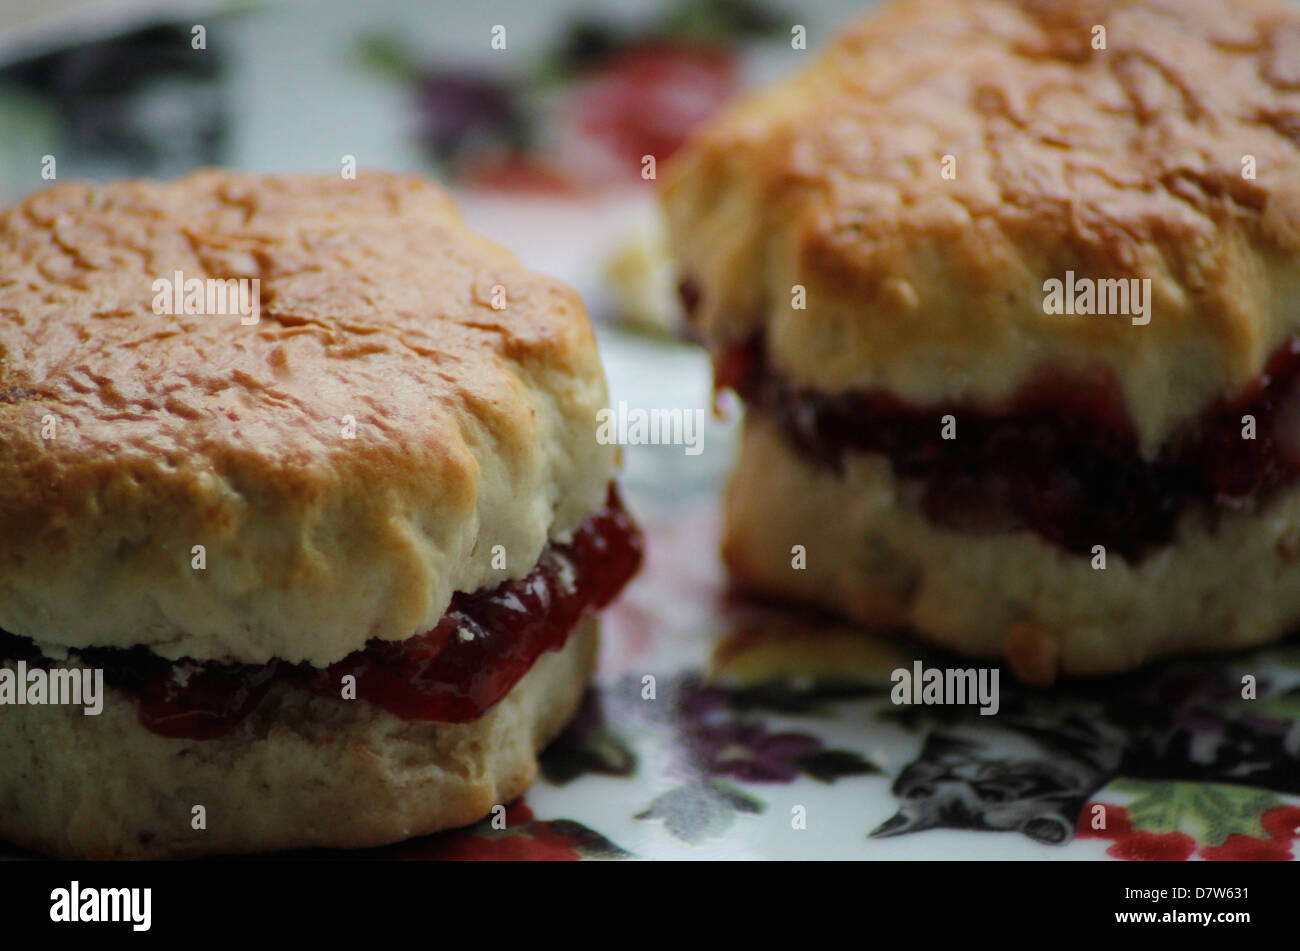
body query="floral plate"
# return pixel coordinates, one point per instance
(716, 729)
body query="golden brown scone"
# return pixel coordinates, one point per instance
(329, 563)
(867, 250)
(1115, 163)
(128, 438)
(300, 772)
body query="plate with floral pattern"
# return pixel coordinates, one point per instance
(716, 729)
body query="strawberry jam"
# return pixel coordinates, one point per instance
(488, 640)
(455, 673)
(1060, 457)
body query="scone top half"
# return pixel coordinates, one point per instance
(409, 403)
(922, 179)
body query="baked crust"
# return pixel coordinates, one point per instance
(1227, 580)
(301, 771)
(1118, 163)
(474, 427)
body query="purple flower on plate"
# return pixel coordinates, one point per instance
(749, 752)
(462, 111)
(717, 732)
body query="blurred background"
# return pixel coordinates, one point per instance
(560, 117)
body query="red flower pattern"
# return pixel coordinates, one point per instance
(647, 100)
(1281, 823)
(523, 840)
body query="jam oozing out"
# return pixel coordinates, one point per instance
(1060, 457)
(481, 648)
(488, 640)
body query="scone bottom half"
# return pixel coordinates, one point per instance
(397, 740)
(1033, 530)
(876, 252)
(331, 567)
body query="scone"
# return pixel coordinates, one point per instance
(334, 546)
(1011, 290)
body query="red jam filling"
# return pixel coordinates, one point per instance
(455, 673)
(1060, 457)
